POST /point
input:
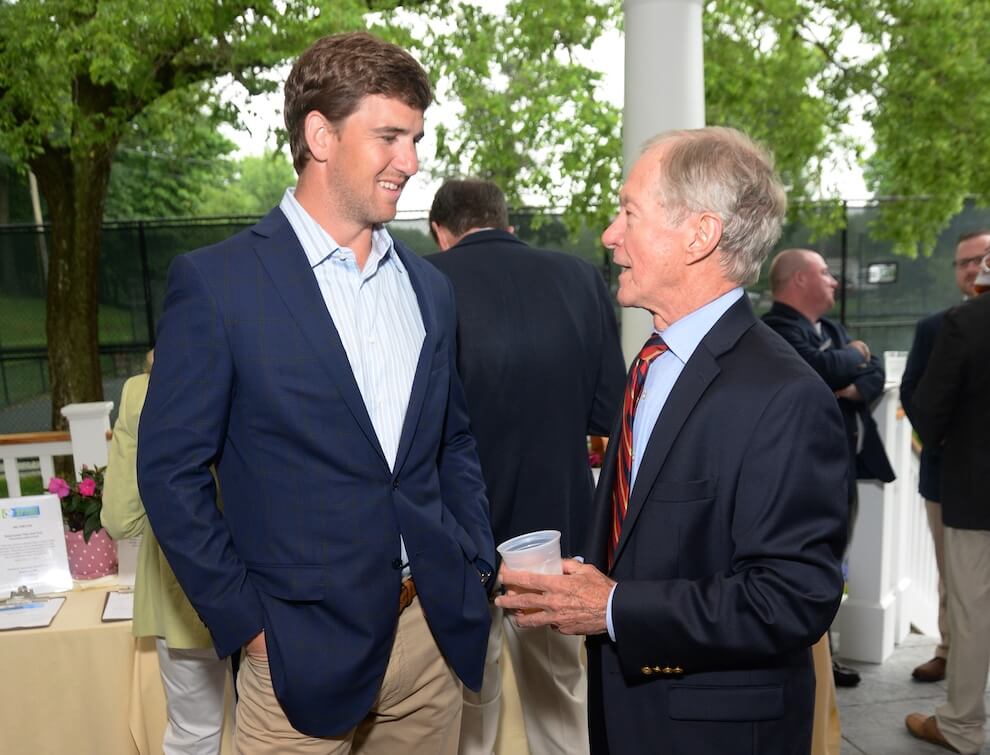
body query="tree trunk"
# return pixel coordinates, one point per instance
(75, 188)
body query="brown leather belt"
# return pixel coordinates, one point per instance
(406, 594)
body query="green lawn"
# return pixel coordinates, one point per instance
(30, 485)
(23, 323)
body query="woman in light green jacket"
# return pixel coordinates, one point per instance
(193, 677)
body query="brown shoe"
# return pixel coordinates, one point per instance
(926, 728)
(930, 671)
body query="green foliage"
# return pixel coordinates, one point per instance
(256, 184)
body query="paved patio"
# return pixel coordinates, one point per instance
(873, 713)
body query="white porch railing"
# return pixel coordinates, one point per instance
(86, 442)
(892, 583)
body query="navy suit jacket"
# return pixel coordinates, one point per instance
(728, 563)
(840, 364)
(250, 374)
(921, 351)
(538, 353)
(952, 409)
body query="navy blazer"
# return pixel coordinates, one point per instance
(840, 364)
(728, 563)
(250, 374)
(539, 355)
(929, 472)
(952, 409)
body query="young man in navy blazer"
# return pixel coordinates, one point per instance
(312, 360)
(713, 561)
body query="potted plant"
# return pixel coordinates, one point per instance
(91, 551)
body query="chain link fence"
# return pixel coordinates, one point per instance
(880, 298)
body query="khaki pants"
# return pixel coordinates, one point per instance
(826, 736)
(417, 711)
(967, 579)
(553, 691)
(934, 511)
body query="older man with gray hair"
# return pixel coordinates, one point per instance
(713, 562)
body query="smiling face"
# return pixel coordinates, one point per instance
(967, 262)
(645, 245)
(370, 156)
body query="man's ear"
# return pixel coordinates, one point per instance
(707, 236)
(320, 135)
(444, 238)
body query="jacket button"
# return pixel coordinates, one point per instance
(678, 670)
(646, 670)
(395, 484)
(396, 563)
(667, 670)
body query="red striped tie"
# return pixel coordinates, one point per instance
(653, 348)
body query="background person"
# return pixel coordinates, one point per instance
(803, 291)
(539, 356)
(720, 516)
(193, 676)
(312, 359)
(970, 248)
(952, 413)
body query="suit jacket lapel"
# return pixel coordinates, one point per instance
(427, 309)
(284, 260)
(699, 372)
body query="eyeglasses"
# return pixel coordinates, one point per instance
(967, 261)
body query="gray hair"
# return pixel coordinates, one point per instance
(721, 170)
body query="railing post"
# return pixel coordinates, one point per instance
(89, 425)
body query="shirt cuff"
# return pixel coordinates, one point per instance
(608, 614)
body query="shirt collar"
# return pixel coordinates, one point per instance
(382, 244)
(683, 336)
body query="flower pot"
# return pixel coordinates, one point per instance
(97, 558)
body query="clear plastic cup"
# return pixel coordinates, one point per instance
(537, 552)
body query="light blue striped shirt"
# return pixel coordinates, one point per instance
(377, 316)
(682, 338)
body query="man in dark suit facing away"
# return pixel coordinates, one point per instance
(951, 410)
(539, 357)
(311, 358)
(970, 249)
(713, 560)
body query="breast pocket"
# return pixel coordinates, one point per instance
(678, 515)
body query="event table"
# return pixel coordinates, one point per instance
(81, 686)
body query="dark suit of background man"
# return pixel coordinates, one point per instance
(969, 251)
(539, 356)
(803, 291)
(312, 359)
(951, 408)
(702, 596)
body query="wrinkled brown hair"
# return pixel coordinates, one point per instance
(335, 73)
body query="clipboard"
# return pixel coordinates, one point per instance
(118, 605)
(24, 610)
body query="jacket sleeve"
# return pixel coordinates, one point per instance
(610, 387)
(935, 398)
(181, 435)
(123, 513)
(918, 358)
(838, 366)
(461, 483)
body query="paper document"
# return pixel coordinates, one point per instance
(37, 612)
(119, 606)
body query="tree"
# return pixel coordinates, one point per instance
(255, 185)
(74, 77)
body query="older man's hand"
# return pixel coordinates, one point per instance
(572, 603)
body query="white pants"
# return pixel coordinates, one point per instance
(194, 682)
(553, 691)
(967, 580)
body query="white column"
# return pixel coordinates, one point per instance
(664, 90)
(874, 606)
(89, 425)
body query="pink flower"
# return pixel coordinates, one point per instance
(87, 486)
(59, 487)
